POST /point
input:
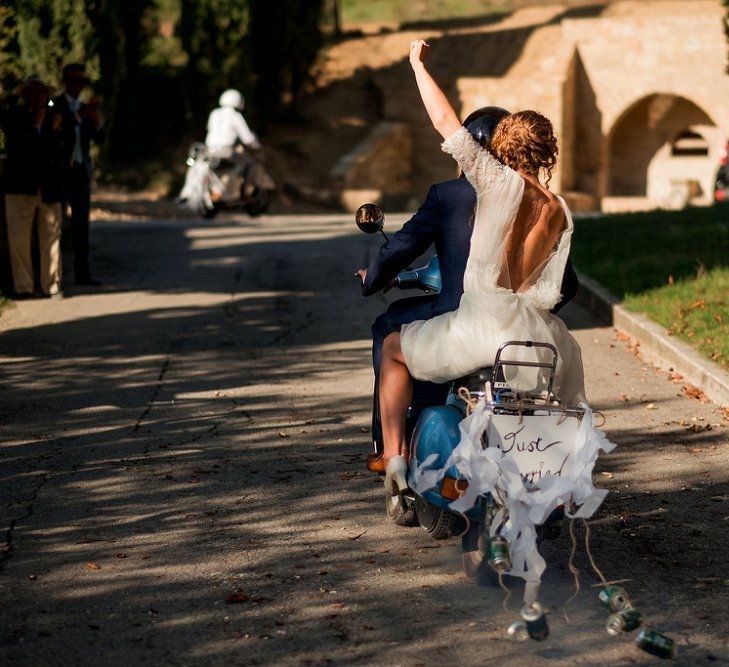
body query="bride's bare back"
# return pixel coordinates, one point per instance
(538, 225)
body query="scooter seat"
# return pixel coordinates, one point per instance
(474, 382)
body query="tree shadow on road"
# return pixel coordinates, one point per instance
(183, 482)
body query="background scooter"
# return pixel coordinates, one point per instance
(213, 183)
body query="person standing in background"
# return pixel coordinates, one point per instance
(82, 124)
(33, 185)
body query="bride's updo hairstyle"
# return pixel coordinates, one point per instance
(525, 142)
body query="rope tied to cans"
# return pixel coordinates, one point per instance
(573, 570)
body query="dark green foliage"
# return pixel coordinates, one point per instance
(285, 40)
(9, 65)
(159, 65)
(213, 35)
(39, 36)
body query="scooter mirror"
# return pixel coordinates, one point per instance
(370, 218)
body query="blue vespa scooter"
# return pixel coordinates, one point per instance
(434, 429)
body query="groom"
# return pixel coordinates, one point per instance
(446, 220)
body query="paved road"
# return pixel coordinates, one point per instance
(197, 429)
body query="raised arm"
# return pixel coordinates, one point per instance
(480, 167)
(439, 109)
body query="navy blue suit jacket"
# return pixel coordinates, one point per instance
(443, 220)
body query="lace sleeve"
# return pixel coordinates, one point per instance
(481, 168)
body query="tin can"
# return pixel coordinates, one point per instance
(499, 558)
(518, 632)
(655, 643)
(623, 621)
(614, 598)
(536, 621)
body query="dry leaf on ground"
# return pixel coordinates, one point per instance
(695, 392)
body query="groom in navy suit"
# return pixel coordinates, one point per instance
(445, 220)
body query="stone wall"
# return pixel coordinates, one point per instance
(618, 80)
(378, 169)
(597, 78)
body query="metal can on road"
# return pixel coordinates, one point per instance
(518, 631)
(536, 621)
(614, 598)
(655, 643)
(499, 558)
(623, 621)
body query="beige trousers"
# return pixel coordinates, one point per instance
(20, 213)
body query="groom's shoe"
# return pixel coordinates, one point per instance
(376, 463)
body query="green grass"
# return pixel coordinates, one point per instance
(4, 301)
(401, 11)
(416, 11)
(672, 266)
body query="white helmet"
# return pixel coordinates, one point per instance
(233, 99)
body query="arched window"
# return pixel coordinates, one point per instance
(689, 144)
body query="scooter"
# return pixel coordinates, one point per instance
(215, 183)
(435, 430)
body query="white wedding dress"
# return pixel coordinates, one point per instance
(457, 343)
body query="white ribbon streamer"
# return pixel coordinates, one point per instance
(489, 471)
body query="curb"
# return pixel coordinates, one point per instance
(656, 347)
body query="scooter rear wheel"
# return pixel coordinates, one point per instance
(474, 551)
(439, 524)
(402, 516)
(259, 203)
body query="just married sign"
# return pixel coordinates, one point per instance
(540, 445)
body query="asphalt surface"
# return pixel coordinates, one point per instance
(182, 476)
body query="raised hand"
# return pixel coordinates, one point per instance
(418, 51)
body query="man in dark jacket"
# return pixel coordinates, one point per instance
(82, 124)
(445, 220)
(33, 186)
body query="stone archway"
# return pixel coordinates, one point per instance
(663, 147)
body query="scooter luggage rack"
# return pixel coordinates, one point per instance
(507, 401)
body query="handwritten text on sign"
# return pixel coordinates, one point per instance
(540, 445)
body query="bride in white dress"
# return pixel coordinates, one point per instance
(519, 247)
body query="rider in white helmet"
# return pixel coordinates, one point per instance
(226, 126)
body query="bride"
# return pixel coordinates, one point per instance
(519, 247)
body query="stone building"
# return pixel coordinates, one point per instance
(638, 93)
(637, 90)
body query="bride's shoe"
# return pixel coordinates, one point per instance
(396, 475)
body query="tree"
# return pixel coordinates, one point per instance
(213, 36)
(159, 65)
(42, 35)
(10, 71)
(337, 17)
(285, 40)
(726, 23)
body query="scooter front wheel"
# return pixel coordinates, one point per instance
(400, 509)
(210, 213)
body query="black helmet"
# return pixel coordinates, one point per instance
(482, 123)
